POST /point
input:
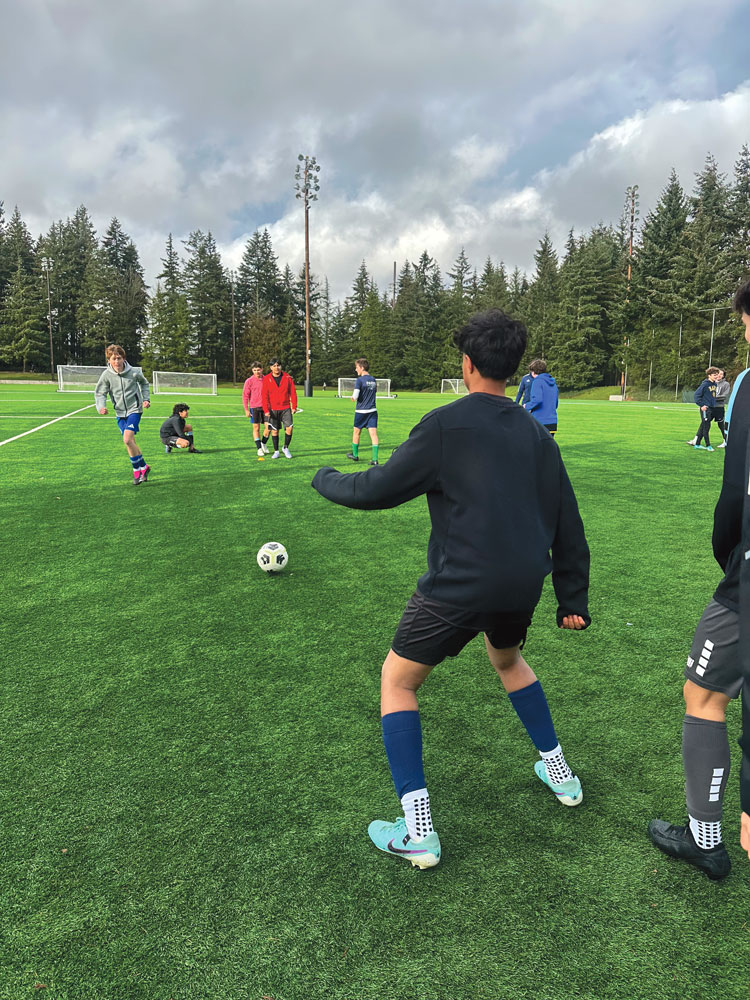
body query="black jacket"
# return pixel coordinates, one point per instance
(174, 426)
(727, 535)
(499, 500)
(744, 601)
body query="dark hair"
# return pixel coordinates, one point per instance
(494, 341)
(256, 364)
(273, 361)
(538, 366)
(741, 301)
(178, 408)
(362, 362)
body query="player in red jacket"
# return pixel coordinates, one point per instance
(279, 403)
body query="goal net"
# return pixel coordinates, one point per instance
(346, 387)
(453, 385)
(78, 378)
(184, 383)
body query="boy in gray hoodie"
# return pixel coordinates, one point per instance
(129, 390)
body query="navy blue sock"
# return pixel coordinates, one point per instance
(140, 462)
(533, 711)
(402, 736)
(134, 460)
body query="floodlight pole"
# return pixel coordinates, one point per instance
(631, 198)
(47, 267)
(307, 187)
(234, 342)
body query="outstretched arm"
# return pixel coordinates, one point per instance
(410, 471)
(570, 561)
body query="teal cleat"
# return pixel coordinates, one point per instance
(700, 447)
(393, 838)
(709, 448)
(569, 792)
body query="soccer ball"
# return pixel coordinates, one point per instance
(272, 557)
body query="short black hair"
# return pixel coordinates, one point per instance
(741, 301)
(273, 361)
(494, 341)
(178, 408)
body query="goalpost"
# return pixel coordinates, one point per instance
(346, 387)
(453, 385)
(185, 383)
(78, 378)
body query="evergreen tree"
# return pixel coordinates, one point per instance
(23, 322)
(209, 305)
(739, 216)
(126, 291)
(259, 287)
(493, 287)
(543, 300)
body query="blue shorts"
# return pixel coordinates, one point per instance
(366, 419)
(129, 423)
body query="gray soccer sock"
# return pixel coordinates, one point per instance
(705, 759)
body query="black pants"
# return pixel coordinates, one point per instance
(718, 415)
(702, 432)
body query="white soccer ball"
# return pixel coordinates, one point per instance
(272, 557)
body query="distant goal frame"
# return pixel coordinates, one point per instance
(453, 387)
(88, 386)
(380, 394)
(184, 390)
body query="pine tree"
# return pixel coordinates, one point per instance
(209, 305)
(259, 286)
(543, 300)
(23, 322)
(739, 216)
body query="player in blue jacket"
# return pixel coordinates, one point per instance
(705, 397)
(524, 389)
(543, 398)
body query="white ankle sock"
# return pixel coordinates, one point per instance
(416, 806)
(706, 835)
(557, 768)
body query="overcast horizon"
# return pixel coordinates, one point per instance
(436, 126)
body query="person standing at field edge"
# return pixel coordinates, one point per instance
(130, 393)
(252, 402)
(720, 652)
(279, 403)
(365, 410)
(705, 398)
(499, 500)
(723, 391)
(543, 397)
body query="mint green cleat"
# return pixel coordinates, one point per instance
(393, 838)
(569, 792)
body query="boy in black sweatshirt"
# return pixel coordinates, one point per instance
(705, 398)
(500, 500)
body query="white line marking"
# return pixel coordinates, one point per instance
(33, 429)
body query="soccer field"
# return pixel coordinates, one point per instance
(191, 754)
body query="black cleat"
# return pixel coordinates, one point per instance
(195, 451)
(167, 449)
(354, 458)
(678, 842)
(374, 462)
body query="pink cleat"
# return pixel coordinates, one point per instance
(144, 473)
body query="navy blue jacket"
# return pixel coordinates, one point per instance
(524, 389)
(705, 394)
(543, 401)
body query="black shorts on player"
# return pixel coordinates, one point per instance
(430, 630)
(257, 415)
(278, 417)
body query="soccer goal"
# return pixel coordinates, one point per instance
(78, 378)
(346, 387)
(453, 385)
(185, 383)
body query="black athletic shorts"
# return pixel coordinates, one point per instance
(257, 415)
(429, 631)
(552, 428)
(278, 417)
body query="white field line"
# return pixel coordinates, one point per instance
(34, 429)
(41, 416)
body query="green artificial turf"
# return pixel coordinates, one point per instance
(190, 750)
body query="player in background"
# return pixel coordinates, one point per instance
(175, 433)
(279, 403)
(252, 402)
(130, 393)
(543, 397)
(714, 671)
(705, 397)
(723, 391)
(365, 411)
(499, 499)
(524, 389)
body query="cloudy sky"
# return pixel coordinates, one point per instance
(437, 124)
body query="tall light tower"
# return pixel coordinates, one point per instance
(47, 267)
(632, 206)
(307, 187)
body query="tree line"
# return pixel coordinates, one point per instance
(653, 297)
